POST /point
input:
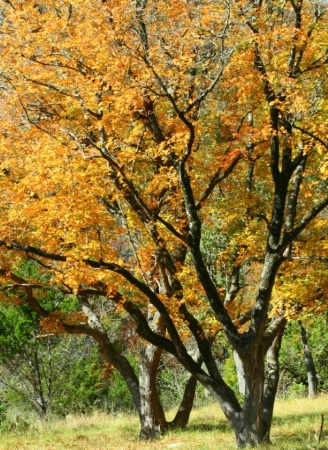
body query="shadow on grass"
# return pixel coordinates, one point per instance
(200, 426)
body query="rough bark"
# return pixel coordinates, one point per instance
(152, 415)
(249, 426)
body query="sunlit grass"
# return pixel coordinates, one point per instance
(295, 427)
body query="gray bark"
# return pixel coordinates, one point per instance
(152, 415)
(240, 373)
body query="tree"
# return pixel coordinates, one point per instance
(61, 317)
(141, 124)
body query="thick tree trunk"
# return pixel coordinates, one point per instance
(152, 415)
(310, 367)
(246, 422)
(249, 426)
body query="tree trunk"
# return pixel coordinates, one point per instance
(271, 384)
(152, 415)
(38, 387)
(245, 421)
(249, 425)
(153, 420)
(181, 418)
(310, 367)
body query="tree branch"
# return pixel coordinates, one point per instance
(291, 235)
(312, 135)
(217, 178)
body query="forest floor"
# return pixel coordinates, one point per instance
(296, 426)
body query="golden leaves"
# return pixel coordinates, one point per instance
(97, 117)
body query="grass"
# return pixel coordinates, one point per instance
(295, 427)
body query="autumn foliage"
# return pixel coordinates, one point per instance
(171, 153)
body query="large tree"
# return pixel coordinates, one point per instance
(132, 130)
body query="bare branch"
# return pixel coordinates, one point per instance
(217, 178)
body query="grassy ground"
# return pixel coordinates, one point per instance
(295, 427)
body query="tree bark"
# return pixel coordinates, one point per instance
(271, 384)
(246, 421)
(240, 373)
(153, 420)
(152, 415)
(249, 425)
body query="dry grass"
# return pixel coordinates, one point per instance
(295, 427)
